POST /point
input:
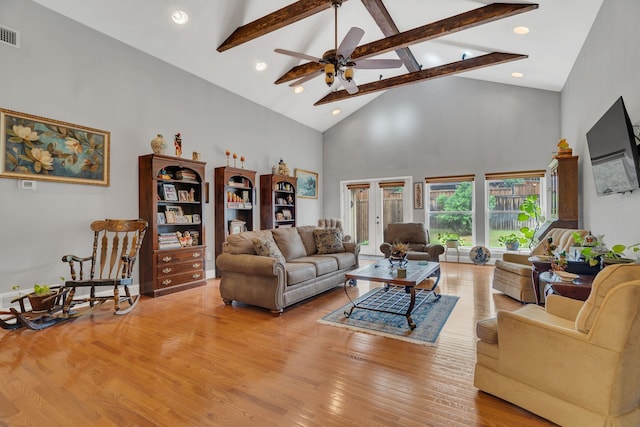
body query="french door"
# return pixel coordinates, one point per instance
(370, 205)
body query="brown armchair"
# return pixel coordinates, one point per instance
(416, 236)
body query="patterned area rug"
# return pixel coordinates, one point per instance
(429, 317)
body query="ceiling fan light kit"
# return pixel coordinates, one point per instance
(341, 61)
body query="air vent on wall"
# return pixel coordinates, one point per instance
(9, 37)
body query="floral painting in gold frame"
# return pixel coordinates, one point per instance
(37, 148)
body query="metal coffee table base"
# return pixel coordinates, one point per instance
(395, 298)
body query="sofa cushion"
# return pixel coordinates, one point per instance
(308, 240)
(328, 240)
(323, 264)
(344, 259)
(267, 247)
(289, 242)
(241, 243)
(298, 272)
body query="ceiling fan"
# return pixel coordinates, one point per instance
(348, 55)
(337, 62)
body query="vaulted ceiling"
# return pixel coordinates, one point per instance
(544, 56)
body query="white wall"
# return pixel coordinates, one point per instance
(68, 72)
(608, 66)
(449, 126)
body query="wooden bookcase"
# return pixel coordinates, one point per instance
(562, 176)
(234, 200)
(277, 201)
(167, 267)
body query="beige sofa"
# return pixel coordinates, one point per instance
(512, 273)
(572, 362)
(307, 261)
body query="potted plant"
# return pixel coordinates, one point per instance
(511, 241)
(39, 298)
(450, 240)
(530, 210)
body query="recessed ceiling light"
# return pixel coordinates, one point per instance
(261, 66)
(180, 17)
(298, 89)
(521, 30)
(516, 74)
(336, 112)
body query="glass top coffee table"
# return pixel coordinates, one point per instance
(399, 294)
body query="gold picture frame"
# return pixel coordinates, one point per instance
(307, 184)
(37, 148)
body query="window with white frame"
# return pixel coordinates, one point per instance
(506, 192)
(450, 208)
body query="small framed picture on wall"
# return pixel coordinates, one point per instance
(417, 195)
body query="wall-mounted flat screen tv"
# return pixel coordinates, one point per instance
(613, 152)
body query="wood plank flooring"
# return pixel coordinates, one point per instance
(187, 360)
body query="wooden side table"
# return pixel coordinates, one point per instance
(579, 289)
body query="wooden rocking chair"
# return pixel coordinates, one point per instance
(116, 244)
(48, 315)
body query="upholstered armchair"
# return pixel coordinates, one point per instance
(416, 236)
(513, 273)
(334, 223)
(572, 362)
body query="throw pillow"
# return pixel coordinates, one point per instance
(328, 240)
(267, 247)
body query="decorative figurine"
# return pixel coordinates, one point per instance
(228, 153)
(177, 142)
(158, 144)
(242, 162)
(235, 160)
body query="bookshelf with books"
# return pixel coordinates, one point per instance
(171, 199)
(277, 201)
(234, 199)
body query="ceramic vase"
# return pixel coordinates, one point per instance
(158, 144)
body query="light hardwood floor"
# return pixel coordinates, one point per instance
(187, 360)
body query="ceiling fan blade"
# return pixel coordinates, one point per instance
(371, 64)
(297, 55)
(306, 79)
(470, 19)
(427, 74)
(274, 21)
(350, 86)
(350, 41)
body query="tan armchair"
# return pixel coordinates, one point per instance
(512, 274)
(414, 234)
(574, 363)
(334, 223)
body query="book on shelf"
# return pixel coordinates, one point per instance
(186, 175)
(168, 241)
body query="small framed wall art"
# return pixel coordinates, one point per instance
(307, 184)
(417, 196)
(37, 148)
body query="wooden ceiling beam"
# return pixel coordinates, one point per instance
(381, 16)
(472, 18)
(474, 63)
(274, 21)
